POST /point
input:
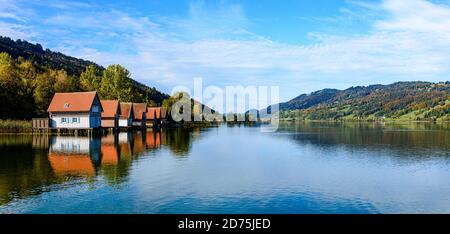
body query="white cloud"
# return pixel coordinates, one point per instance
(416, 16)
(390, 52)
(407, 40)
(9, 10)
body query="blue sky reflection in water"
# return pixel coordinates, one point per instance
(302, 168)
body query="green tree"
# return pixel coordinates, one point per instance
(63, 83)
(15, 88)
(116, 84)
(27, 73)
(90, 79)
(6, 66)
(43, 92)
(8, 86)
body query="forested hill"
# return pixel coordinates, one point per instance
(30, 75)
(45, 58)
(58, 61)
(401, 101)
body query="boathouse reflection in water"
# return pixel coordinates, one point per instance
(31, 164)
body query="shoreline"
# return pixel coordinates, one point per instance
(365, 121)
(28, 130)
(187, 125)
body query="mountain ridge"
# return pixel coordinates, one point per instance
(406, 100)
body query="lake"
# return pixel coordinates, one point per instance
(302, 168)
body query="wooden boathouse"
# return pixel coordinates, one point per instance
(126, 115)
(111, 113)
(156, 116)
(84, 113)
(139, 112)
(76, 112)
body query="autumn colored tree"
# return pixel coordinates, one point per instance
(43, 92)
(90, 79)
(15, 90)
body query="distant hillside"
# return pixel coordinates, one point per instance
(45, 58)
(305, 101)
(73, 66)
(402, 101)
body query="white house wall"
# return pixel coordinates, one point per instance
(137, 123)
(124, 122)
(84, 120)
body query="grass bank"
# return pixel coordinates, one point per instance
(15, 126)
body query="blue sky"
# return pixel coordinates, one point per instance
(299, 45)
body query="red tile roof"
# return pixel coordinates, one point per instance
(125, 108)
(110, 108)
(163, 112)
(138, 109)
(151, 112)
(72, 102)
(159, 112)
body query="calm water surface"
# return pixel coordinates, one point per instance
(302, 168)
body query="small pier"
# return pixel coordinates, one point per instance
(42, 126)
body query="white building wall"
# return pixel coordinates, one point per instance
(83, 120)
(137, 123)
(123, 123)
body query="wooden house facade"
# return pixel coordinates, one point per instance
(126, 115)
(111, 113)
(80, 110)
(156, 116)
(140, 112)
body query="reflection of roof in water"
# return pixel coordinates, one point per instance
(153, 140)
(125, 151)
(108, 139)
(138, 145)
(71, 164)
(109, 154)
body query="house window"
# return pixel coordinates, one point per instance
(74, 120)
(95, 109)
(63, 120)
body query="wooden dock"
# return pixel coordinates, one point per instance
(43, 126)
